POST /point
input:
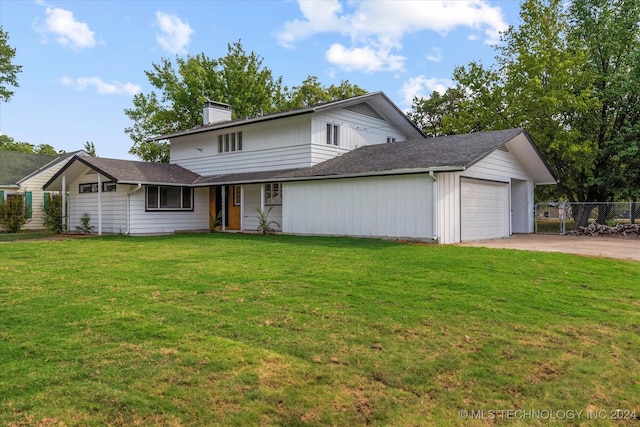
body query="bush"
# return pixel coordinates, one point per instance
(53, 213)
(85, 224)
(14, 213)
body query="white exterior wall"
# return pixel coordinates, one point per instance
(270, 145)
(114, 206)
(114, 211)
(356, 130)
(252, 195)
(293, 142)
(390, 206)
(158, 222)
(499, 166)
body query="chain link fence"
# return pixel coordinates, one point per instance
(560, 217)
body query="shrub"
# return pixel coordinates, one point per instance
(85, 224)
(265, 226)
(14, 213)
(52, 210)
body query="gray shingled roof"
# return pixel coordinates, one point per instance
(127, 171)
(445, 151)
(15, 165)
(133, 172)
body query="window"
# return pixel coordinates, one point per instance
(236, 195)
(18, 201)
(333, 134)
(390, 139)
(273, 194)
(109, 186)
(230, 142)
(169, 198)
(91, 187)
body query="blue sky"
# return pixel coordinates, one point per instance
(83, 61)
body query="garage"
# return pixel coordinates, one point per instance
(484, 209)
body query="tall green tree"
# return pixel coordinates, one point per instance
(568, 74)
(312, 92)
(238, 79)
(90, 148)
(8, 70)
(9, 144)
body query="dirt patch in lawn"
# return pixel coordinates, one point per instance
(605, 247)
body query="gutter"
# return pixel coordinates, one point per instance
(129, 207)
(407, 171)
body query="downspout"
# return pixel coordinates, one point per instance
(432, 175)
(129, 207)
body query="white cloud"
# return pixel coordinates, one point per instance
(435, 55)
(68, 31)
(175, 35)
(375, 28)
(102, 87)
(422, 87)
(367, 59)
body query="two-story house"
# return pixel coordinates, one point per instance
(355, 167)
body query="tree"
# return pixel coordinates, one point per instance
(90, 148)
(312, 92)
(7, 143)
(8, 70)
(569, 75)
(238, 79)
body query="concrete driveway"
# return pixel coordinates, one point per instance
(606, 247)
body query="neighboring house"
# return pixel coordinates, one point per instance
(356, 167)
(23, 175)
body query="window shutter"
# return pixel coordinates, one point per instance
(28, 198)
(1, 195)
(47, 198)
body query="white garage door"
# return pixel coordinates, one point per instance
(484, 209)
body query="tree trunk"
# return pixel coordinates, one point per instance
(581, 213)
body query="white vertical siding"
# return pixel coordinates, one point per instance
(252, 203)
(392, 206)
(448, 207)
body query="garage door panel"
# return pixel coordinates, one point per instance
(484, 209)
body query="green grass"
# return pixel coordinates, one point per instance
(218, 329)
(25, 235)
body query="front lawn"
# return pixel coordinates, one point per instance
(221, 329)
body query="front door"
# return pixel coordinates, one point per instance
(231, 206)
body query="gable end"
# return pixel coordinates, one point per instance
(365, 109)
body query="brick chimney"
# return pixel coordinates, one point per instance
(215, 112)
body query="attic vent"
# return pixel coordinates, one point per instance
(503, 148)
(364, 108)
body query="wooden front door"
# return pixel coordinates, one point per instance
(231, 209)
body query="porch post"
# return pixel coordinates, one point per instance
(241, 206)
(99, 205)
(262, 192)
(65, 226)
(224, 204)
